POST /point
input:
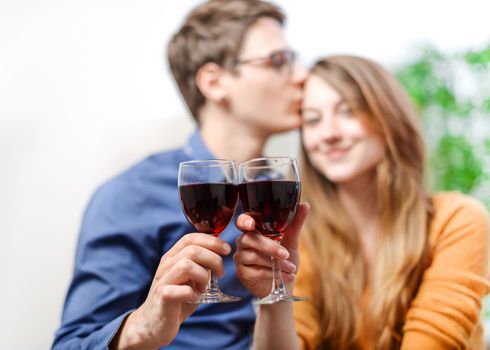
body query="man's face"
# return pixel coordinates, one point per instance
(266, 94)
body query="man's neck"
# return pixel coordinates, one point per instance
(228, 139)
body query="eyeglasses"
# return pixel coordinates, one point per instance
(279, 60)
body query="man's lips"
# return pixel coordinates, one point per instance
(297, 104)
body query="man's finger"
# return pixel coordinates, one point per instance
(203, 257)
(185, 271)
(176, 293)
(200, 239)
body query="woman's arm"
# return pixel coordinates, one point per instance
(445, 313)
(274, 328)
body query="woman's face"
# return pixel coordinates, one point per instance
(338, 143)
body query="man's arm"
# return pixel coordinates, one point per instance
(121, 277)
(180, 277)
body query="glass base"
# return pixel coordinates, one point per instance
(278, 298)
(217, 297)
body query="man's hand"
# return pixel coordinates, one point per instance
(180, 278)
(254, 252)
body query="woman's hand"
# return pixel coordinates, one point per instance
(254, 252)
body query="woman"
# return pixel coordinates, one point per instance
(384, 264)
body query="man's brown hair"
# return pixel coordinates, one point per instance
(212, 32)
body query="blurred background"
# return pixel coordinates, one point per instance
(85, 92)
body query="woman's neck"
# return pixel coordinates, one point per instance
(360, 200)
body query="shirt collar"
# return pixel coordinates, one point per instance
(196, 149)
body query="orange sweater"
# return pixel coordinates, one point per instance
(445, 313)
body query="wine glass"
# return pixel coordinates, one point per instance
(270, 192)
(208, 196)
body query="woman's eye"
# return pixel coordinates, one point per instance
(310, 117)
(310, 120)
(345, 110)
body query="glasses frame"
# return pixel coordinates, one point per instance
(277, 60)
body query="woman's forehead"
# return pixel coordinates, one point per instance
(318, 91)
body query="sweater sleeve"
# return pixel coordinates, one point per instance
(445, 313)
(306, 315)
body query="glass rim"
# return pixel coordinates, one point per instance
(207, 162)
(282, 161)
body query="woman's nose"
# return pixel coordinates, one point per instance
(330, 130)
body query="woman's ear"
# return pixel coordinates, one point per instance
(209, 82)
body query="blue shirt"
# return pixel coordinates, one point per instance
(129, 224)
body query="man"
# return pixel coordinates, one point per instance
(137, 267)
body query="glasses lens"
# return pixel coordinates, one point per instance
(282, 59)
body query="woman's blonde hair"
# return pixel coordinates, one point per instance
(332, 240)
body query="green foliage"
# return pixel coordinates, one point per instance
(486, 105)
(455, 165)
(416, 79)
(452, 93)
(486, 308)
(481, 57)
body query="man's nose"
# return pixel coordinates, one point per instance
(299, 73)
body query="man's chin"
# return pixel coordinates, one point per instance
(295, 123)
(287, 124)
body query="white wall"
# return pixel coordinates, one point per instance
(84, 92)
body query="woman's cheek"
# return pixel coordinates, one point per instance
(309, 141)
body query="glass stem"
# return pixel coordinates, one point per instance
(212, 284)
(278, 287)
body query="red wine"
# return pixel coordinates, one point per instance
(272, 204)
(209, 207)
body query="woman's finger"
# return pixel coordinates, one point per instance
(262, 244)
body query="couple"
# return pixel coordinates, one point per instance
(384, 264)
